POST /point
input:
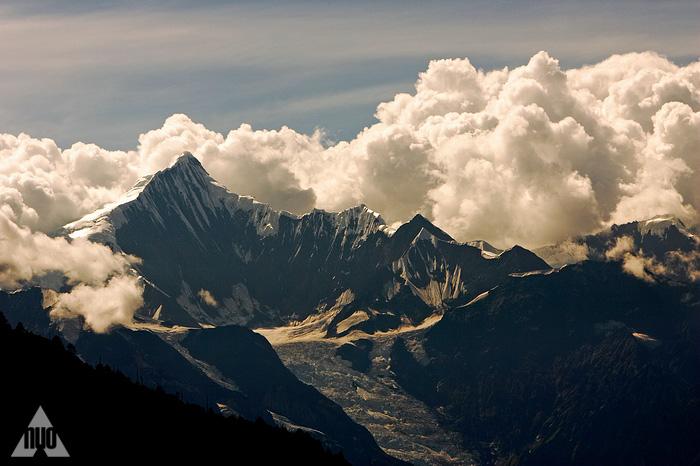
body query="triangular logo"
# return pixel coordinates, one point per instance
(40, 435)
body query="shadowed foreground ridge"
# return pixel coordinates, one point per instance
(257, 384)
(98, 412)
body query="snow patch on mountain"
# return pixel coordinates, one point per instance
(424, 262)
(99, 225)
(354, 319)
(435, 294)
(661, 223)
(188, 301)
(487, 250)
(646, 340)
(345, 298)
(315, 328)
(355, 224)
(532, 272)
(478, 298)
(283, 421)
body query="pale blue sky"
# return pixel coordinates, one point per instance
(104, 72)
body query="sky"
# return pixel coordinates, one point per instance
(104, 72)
(507, 121)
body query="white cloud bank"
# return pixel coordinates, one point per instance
(104, 292)
(102, 306)
(530, 155)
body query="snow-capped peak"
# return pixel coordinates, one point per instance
(659, 224)
(423, 226)
(184, 187)
(187, 159)
(355, 224)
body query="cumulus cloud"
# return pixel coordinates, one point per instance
(102, 291)
(674, 265)
(685, 264)
(207, 297)
(633, 261)
(46, 187)
(622, 246)
(645, 268)
(530, 155)
(26, 256)
(102, 306)
(257, 163)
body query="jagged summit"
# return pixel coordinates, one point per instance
(418, 228)
(185, 190)
(419, 221)
(358, 220)
(186, 173)
(522, 260)
(187, 158)
(186, 168)
(656, 235)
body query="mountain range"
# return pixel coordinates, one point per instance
(445, 352)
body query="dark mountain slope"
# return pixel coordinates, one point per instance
(100, 413)
(135, 353)
(537, 366)
(245, 375)
(244, 357)
(619, 389)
